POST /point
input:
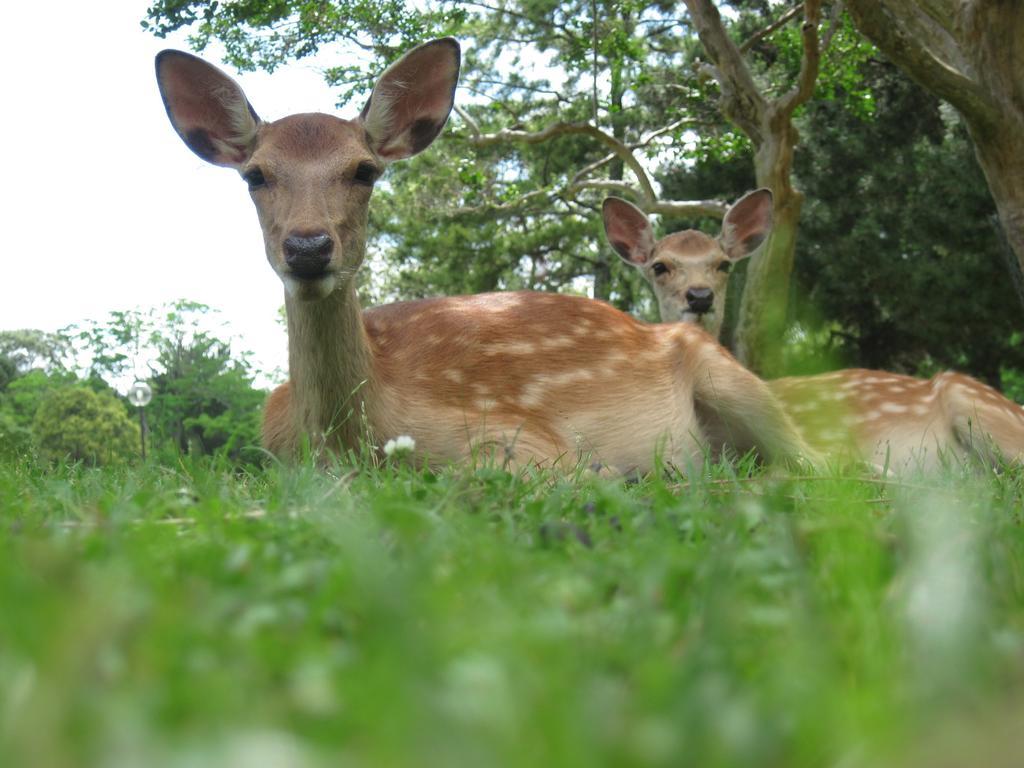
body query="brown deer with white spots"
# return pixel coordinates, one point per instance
(533, 378)
(884, 418)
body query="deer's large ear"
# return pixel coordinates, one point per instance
(628, 230)
(747, 223)
(411, 101)
(207, 108)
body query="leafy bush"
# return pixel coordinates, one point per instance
(78, 424)
(15, 440)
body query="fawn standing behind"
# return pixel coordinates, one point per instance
(881, 417)
(531, 377)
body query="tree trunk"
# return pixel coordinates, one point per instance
(769, 126)
(1001, 157)
(757, 340)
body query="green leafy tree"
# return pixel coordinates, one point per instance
(112, 348)
(204, 399)
(903, 284)
(26, 349)
(8, 371)
(75, 423)
(967, 53)
(19, 402)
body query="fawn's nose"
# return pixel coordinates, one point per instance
(700, 299)
(308, 255)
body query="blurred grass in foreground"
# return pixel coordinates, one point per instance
(189, 617)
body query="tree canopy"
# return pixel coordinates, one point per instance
(680, 107)
(60, 397)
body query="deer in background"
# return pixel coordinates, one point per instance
(536, 378)
(884, 418)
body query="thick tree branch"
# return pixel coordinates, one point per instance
(645, 193)
(888, 29)
(751, 41)
(942, 12)
(809, 61)
(508, 135)
(741, 100)
(608, 186)
(588, 169)
(714, 209)
(514, 204)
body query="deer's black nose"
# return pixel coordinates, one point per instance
(308, 255)
(700, 299)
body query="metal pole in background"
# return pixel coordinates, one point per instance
(139, 395)
(142, 431)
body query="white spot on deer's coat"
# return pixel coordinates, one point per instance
(524, 348)
(542, 386)
(892, 408)
(453, 376)
(557, 342)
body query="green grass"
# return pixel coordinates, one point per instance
(192, 617)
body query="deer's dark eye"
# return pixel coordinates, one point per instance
(366, 174)
(659, 268)
(725, 266)
(254, 178)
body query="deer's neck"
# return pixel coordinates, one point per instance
(330, 364)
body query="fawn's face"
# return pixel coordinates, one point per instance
(688, 270)
(689, 273)
(311, 175)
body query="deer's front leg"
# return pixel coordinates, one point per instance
(738, 409)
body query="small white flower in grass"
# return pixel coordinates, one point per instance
(399, 445)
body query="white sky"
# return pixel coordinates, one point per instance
(105, 206)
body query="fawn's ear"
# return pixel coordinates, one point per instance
(411, 101)
(207, 108)
(628, 230)
(747, 223)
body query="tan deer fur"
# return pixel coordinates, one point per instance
(528, 377)
(903, 422)
(884, 418)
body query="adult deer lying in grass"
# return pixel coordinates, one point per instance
(535, 377)
(881, 417)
